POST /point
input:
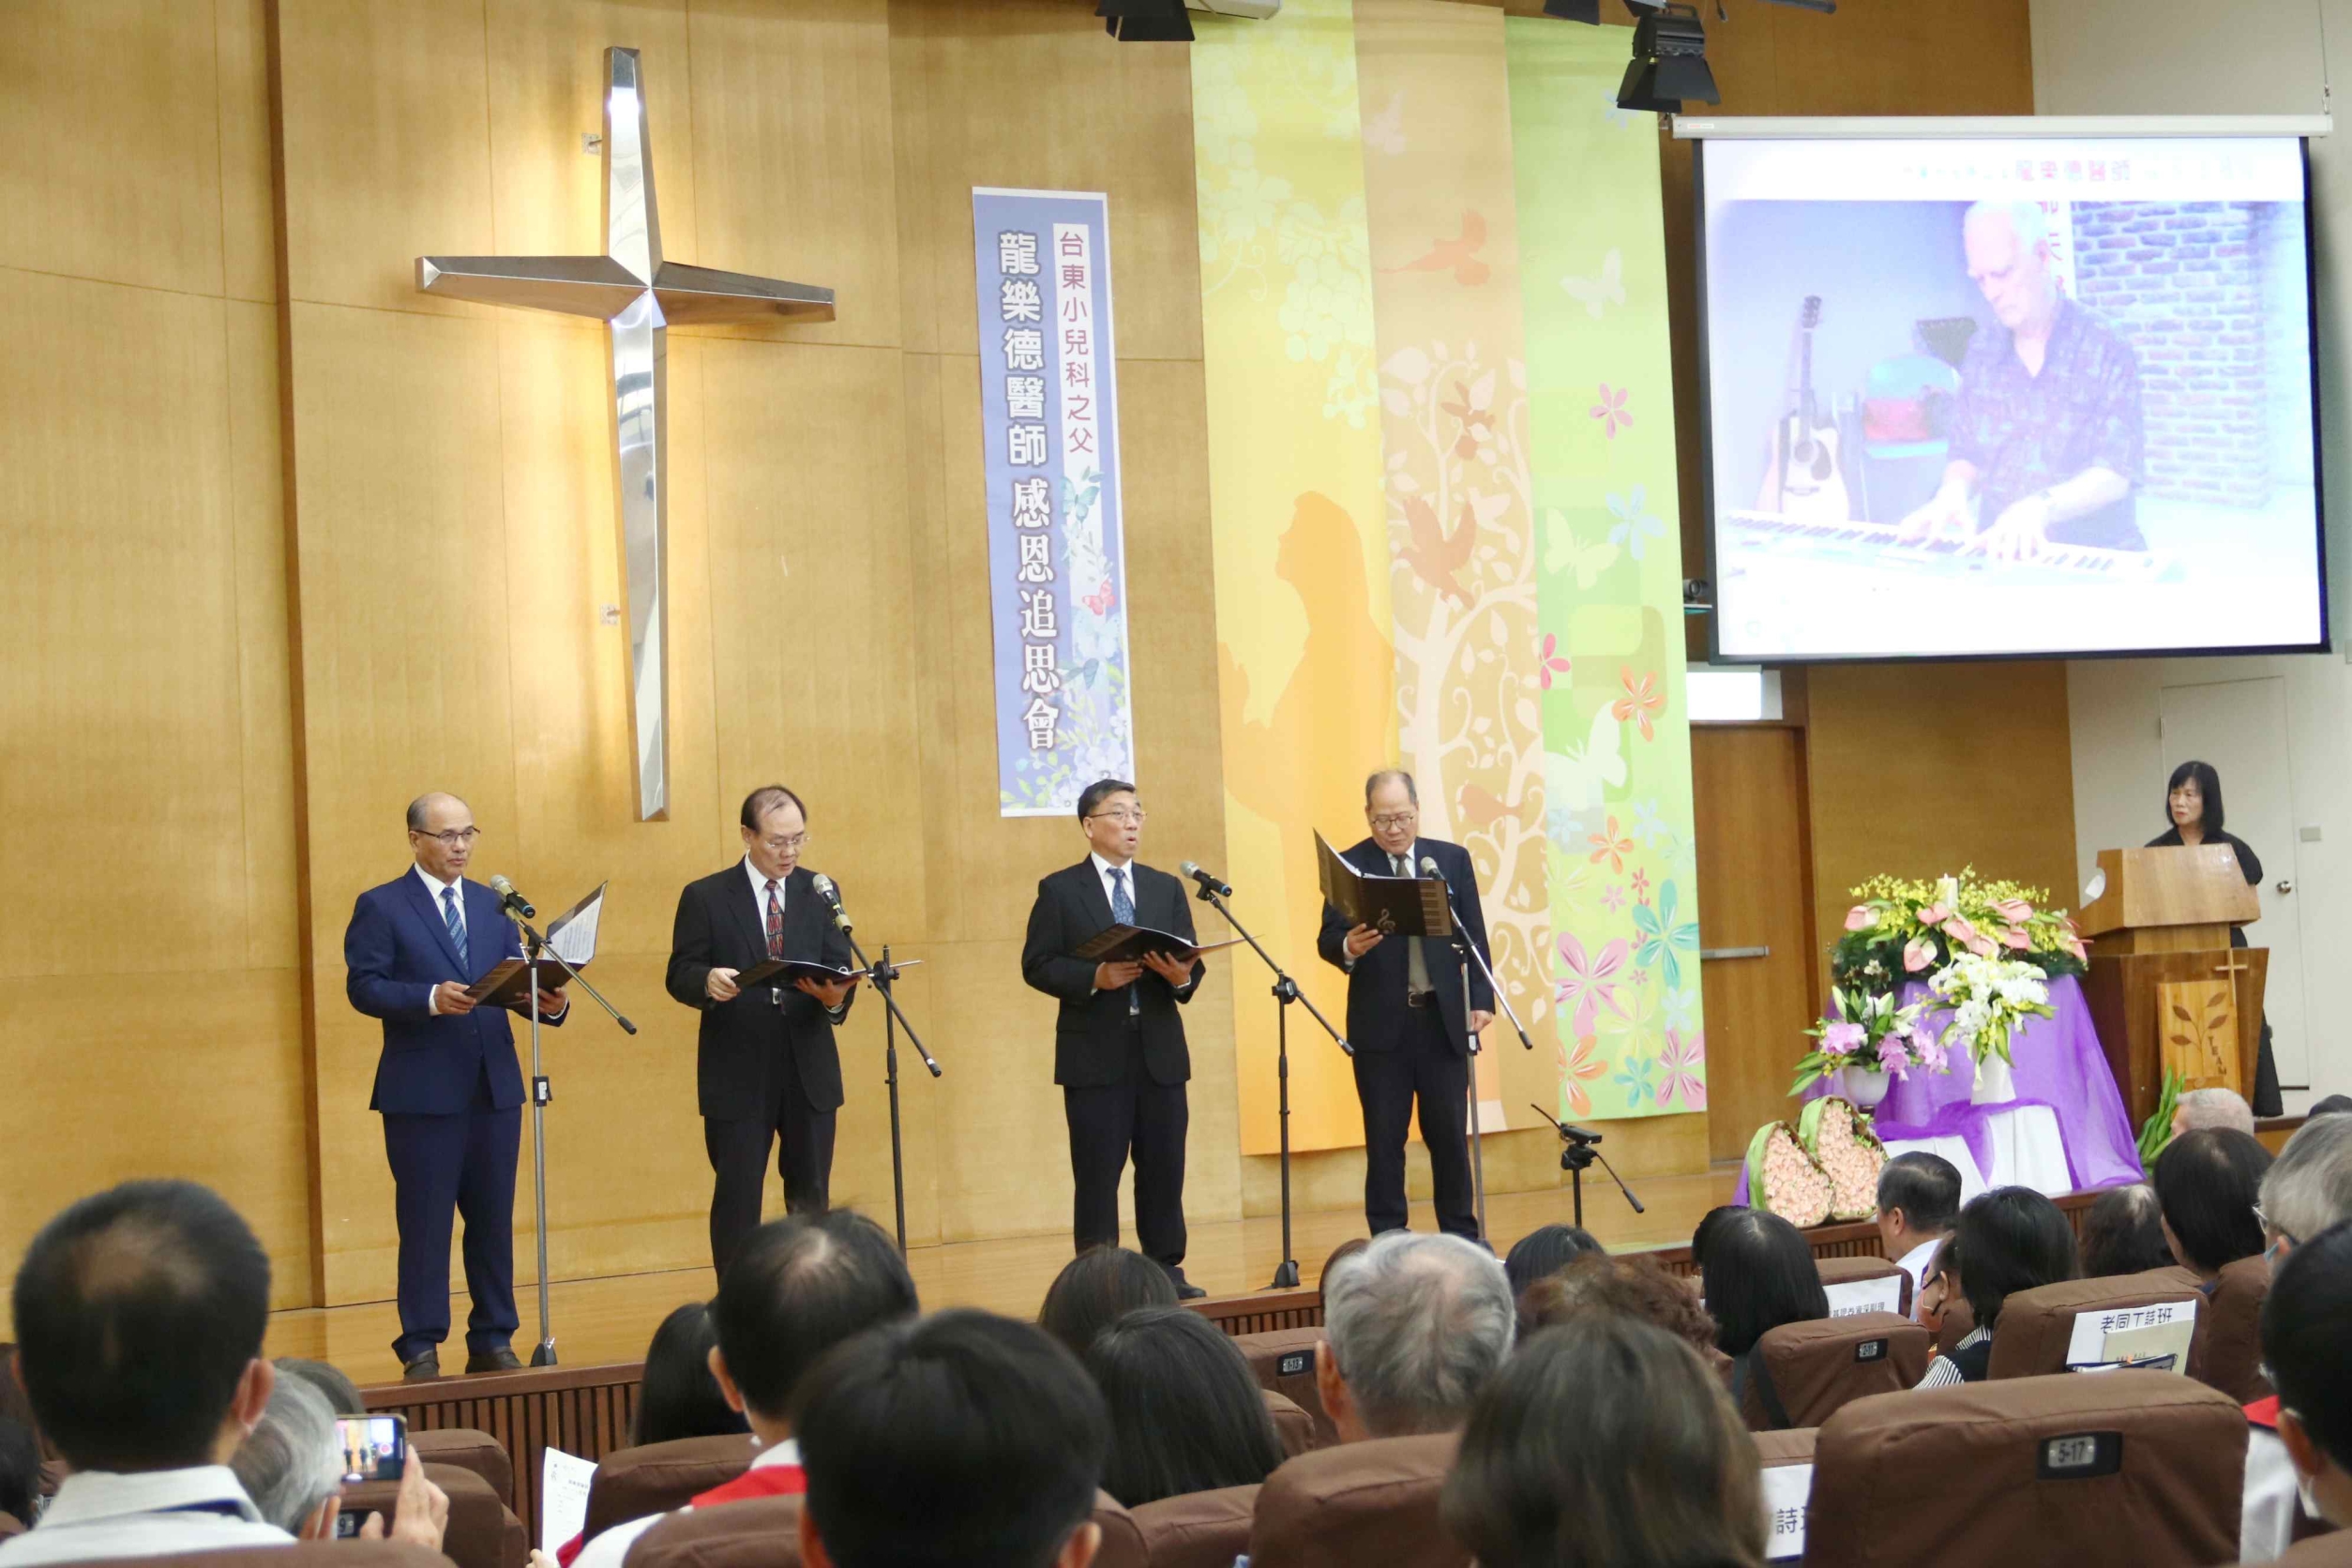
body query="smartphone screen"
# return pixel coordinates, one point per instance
(375, 1447)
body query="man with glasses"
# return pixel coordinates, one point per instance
(767, 1069)
(448, 1083)
(1407, 1018)
(1118, 1050)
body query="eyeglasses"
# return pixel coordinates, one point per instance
(1132, 817)
(2273, 1226)
(456, 839)
(797, 842)
(1396, 819)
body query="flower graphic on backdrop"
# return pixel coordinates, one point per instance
(1633, 1078)
(1682, 1008)
(1578, 1069)
(1610, 844)
(1641, 703)
(1613, 897)
(1548, 661)
(1649, 826)
(1660, 936)
(1587, 985)
(1611, 411)
(1684, 1063)
(1641, 885)
(1634, 522)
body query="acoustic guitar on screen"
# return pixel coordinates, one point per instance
(1804, 484)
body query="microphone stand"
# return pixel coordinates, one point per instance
(1469, 953)
(1285, 991)
(535, 952)
(883, 974)
(1577, 1155)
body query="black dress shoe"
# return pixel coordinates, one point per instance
(501, 1360)
(1187, 1292)
(421, 1367)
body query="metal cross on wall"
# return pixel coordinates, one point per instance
(638, 295)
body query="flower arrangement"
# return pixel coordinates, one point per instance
(1911, 930)
(1867, 1030)
(1989, 996)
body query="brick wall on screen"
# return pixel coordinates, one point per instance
(2183, 283)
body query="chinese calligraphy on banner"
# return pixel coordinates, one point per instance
(1049, 434)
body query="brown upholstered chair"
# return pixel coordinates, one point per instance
(765, 1532)
(1358, 1503)
(1284, 1361)
(2036, 1325)
(1294, 1425)
(633, 1483)
(2320, 1551)
(1789, 1453)
(2117, 1468)
(1850, 1282)
(301, 1554)
(1200, 1529)
(1810, 1369)
(2227, 1349)
(468, 1449)
(482, 1532)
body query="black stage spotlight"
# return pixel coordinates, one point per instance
(1669, 63)
(1146, 21)
(1575, 11)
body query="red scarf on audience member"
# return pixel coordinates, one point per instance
(2265, 1414)
(767, 1480)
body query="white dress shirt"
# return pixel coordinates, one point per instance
(608, 1549)
(97, 1514)
(760, 891)
(2266, 1524)
(1103, 872)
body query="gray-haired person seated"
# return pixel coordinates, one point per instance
(1414, 1327)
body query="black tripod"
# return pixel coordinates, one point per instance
(1577, 1155)
(1285, 991)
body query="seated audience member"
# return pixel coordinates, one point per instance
(797, 1288)
(1545, 1251)
(1609, 1445)
(290, 1464)
(964, 1441)
(1345, 1249)
(138, 1320)
(2008, 1240)
(2207, 1183)
(2334, 1105)
(2308, 1189)
(1635, 1286)
(680, 1396)
(1706, 1228)
(1414, 1326)
(1935, 1295)
(1186, 1415)
(20, 1470)
(2123, 1233)
(2306, 1324)
(1919, 1197)
(1096, 1288)
(2213, 1107)
(1758, 1274)
(342, 1394)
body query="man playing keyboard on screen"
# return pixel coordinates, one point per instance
(2045, 436)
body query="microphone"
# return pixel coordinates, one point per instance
(825, 890)
(1582, 1135)
(513, 903)
(1208, 882)
(1429, 868)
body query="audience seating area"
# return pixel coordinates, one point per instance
(2037, 1325)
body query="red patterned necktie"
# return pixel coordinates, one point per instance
(776, 923)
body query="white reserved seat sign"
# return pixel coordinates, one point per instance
(2088, 1345)
(1786, 1490)
(1853, 1296)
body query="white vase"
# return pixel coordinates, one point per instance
(1864, 1085)
(1995, 1082)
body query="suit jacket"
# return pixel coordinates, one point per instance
(1377, 1015)
(395, 950)
(721, 925)
(1090, 1039)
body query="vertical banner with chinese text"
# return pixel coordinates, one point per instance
(1049, 434)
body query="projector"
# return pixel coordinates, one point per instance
(1255, 10)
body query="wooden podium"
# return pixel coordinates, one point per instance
(2165, 988)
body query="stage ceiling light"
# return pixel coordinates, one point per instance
(1146, 21)
(1670, 64)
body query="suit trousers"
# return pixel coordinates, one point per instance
(444, 1165)
(738, 1150)
(1109, 1123)
(1425, 1066)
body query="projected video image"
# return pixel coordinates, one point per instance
(2009, 398)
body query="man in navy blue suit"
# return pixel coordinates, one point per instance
(1406, 1015)
(448, 1083)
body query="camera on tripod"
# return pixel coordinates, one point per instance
(1577, 1153)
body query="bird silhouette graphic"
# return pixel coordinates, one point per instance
(1457, 256)
(1435, 556)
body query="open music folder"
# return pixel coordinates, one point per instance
(1393, 906)
(570, 935)
(1126, 945)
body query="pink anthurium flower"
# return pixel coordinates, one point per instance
(1861, 918)
(1918, 954)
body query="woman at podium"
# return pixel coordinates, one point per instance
(2193, 801)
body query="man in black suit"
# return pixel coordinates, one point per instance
(1406, 1017)
(1118, 1046)
(765, 1067)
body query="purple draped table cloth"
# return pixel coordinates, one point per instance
(2056, 1062)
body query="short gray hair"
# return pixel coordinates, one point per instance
(2029, 221)
(1418, 1325)
(2214, 1108)
(2309, 1186)
(291, 1463)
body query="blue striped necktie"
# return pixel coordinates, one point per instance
(457, 925)
(1122, 911)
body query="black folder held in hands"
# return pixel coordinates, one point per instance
(782, 972)
(1127, 944)
(1393, 906)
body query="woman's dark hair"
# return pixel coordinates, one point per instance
(2009, 1240)
(1546, 1250)
(1706, 1228)
(2207, 1181)
(19, 1470)
(1609, 1445)
(1096, 1288)
(2334, 1105)
(1758, 1275)
(2209, 790)
(2305, 1319)
(679, 1397)
(1635, 1285)
(1186, 1415)
(2123, 1233)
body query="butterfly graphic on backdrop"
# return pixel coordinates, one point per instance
(1457, 256)
(1575, 781)
(1596, 292)
(1102, 599)
(1384, 132)
(1564, 552)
